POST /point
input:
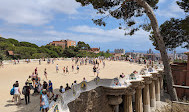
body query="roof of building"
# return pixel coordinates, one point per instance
(57, 42)
(11, 52)
(187, 53)
(95, 49)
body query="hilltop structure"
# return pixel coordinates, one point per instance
(94, 50)
(119, 51)
(64, 43)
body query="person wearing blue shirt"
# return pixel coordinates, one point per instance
(50, 89)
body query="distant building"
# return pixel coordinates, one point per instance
(119, 51)
(95, 50)
(150, 55)
(63, 43)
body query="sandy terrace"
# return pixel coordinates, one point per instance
(10, 73)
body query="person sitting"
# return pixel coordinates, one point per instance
(122, 75)
(67, 87)
(61, 90)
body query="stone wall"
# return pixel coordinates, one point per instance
(91, 101)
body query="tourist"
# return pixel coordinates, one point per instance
(1, 64)
(77, 68)
(39, 61)
(84, 79)
(122, 75)
(40, 88)
(14, 62)
(50, 89)
(64, 69)
(44, 103)
(26, 93)
(67, 71)
(52, 61)
(45, 85)
(29, 81)
(104, 64)
(94, 70)
(33, 78)
(62, 90)
(67, 87)
(36, 70)
(98, 71)
(75, 82)
(72, 67)
(45, 73)
(17, 93)
(57, 68)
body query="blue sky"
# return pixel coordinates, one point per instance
(42, 21)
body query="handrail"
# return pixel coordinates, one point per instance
(184, 103)
(179, 86)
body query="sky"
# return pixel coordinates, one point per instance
(43, 21)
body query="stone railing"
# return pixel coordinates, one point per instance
(150, 83)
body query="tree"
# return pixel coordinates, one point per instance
(82, 46)
(128, 10)
(173, 34)
(184, 4)
(13, 41)
(28, 44)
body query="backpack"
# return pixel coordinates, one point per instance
(24, 90)
(12, 91)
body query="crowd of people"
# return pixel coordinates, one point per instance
(44, 89)
(36, 87)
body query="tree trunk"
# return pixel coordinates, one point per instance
(162, 48)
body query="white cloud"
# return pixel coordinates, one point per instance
(162, 1)
(172, 10)
(34, 12)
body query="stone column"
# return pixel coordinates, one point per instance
(146, 95)
(152, 92)
(128, 107)
(115, 101)
(138, 98)
(157, 89)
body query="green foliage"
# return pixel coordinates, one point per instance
(2, 39)
(125, 10)
(82, 46)
(105, 54)
(13, 41)
(173, 34)
(184, 4)
(25, 52)
(27, 44)
(40, 55)
(28, 50)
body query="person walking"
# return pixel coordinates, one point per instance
(17, 93)
(77, 68)
(94, 70)
(45, 73)
(72, 68)
(26, 93)
(57, 68)
(44, 102)
(67, 71)
(50, 89)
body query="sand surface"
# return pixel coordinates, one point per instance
(10, 73)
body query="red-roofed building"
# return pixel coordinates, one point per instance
(95, 50)
(10, 53)
(63, 43)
